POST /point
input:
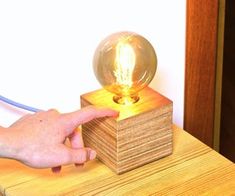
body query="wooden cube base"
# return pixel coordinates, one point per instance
(141, 134)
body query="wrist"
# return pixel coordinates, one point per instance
(7, 144)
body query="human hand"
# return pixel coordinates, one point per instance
(38, 139)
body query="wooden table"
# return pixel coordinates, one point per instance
(192, 169)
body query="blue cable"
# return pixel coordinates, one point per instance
(18, 105)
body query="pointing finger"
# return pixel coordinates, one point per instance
(72, 120)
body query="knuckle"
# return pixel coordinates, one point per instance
(82, 157)
(53, 111)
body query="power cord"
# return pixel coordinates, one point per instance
(18, 105)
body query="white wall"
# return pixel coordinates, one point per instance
(47, 46)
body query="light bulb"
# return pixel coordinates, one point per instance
(124, 63)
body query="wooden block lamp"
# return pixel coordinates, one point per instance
(124, 64)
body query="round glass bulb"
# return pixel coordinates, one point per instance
(124, 63)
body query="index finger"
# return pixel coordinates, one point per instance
(74, 119)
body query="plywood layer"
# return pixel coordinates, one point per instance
(141, 134)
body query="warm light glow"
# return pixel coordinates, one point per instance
(124, 65)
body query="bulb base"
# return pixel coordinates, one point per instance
(126, 100)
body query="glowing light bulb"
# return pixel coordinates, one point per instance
(124, 63)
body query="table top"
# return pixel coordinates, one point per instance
(192, 169)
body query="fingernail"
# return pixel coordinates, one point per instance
(92, 155)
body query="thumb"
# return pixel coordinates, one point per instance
(70, 156)
(80, 156)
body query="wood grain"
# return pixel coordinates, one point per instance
(192, 169)
(141, 134)
(201, 44)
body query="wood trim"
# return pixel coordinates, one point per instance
(200, 68)
(219, 74)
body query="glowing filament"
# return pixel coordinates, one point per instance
(125, 64)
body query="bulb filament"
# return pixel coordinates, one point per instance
(125, 64)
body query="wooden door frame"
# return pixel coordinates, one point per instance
(203, 69)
